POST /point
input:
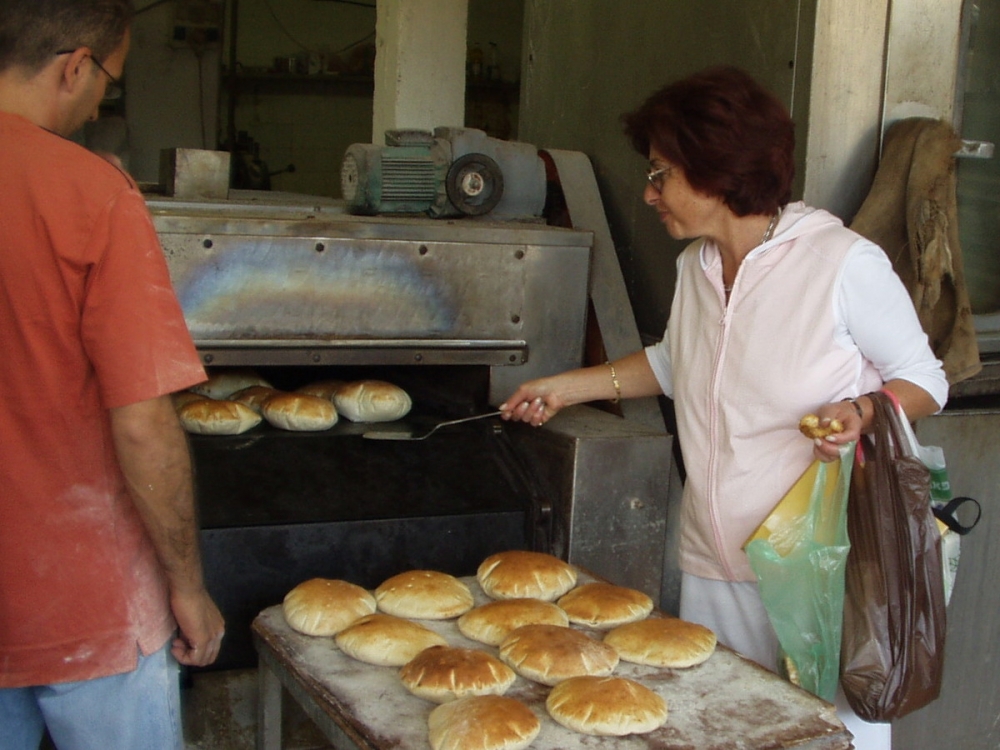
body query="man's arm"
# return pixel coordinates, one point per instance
(153, 453)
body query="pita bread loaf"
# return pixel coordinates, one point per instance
(550, 654)
(324, 607)
(322, 388)
(222, 384)
(372, 401)
(663, 642)
(253, 396)
(183, 398)
(606, 706)
(386, 641)
(517, 574)
(209, 417)
(424, 595)
(494, 621)
(604, 605)
(298, 412)
(482, 722)
(444, 673)
(811, 426)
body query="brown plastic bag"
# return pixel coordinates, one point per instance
(892, 654)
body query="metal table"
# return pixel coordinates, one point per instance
(726, 703)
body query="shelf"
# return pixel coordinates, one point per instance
(346, 85)
(296, 83)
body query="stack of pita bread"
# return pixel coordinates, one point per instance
(538, 625)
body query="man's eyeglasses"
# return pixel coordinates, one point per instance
(657, 177)
(114, 87)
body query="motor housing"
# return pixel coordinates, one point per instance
(447, 172)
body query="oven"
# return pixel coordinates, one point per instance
(458, 313)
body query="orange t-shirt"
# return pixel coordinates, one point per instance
(88, 322)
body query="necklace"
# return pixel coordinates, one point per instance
(768, 234)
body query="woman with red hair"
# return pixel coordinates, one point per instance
(779, 311)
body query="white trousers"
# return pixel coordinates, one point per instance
(735, 613)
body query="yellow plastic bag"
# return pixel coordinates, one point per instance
(799, 555)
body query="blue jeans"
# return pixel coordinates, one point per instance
(138, 710)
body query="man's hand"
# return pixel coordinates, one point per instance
(201, 628)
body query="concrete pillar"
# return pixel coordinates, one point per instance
(922, 60)
(845, 103)
(419, 65)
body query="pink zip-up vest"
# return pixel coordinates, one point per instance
(745, 374)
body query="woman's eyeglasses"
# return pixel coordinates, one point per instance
(114, 88)
(657, 177)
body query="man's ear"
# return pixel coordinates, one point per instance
(77, 65)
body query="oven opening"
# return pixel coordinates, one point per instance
(279, 507)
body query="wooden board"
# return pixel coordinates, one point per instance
(728, 702)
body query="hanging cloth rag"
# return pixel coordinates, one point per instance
(911, 212)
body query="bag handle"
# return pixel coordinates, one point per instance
(891, 396)
(946, 514)
(886, 407)
(905, 442)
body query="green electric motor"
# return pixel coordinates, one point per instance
(450, 172)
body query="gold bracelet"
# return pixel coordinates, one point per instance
(614, 381)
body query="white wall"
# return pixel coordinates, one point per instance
(171, 94)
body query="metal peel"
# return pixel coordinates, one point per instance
(391, 435)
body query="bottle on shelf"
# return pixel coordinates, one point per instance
(475, 62)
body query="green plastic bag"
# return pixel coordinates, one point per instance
(799, 556)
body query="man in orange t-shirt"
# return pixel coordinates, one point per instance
(99, 557)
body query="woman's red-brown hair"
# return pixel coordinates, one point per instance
(734, 139)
